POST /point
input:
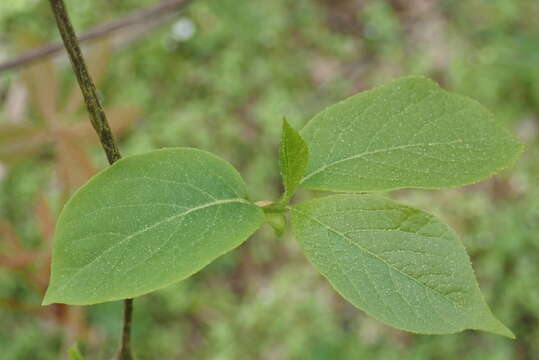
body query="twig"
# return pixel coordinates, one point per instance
(97, 115)
(125, 348)
(141, 16)
(101, 126)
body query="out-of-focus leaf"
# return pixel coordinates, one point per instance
(120, 119)
(12, 253)
(74, 166)
(45, 217)
(11, 240)
(20, 259)
(74, 353)
(42, 82)
(19, 141)
(15, 256)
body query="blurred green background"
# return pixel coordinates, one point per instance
(220, 76)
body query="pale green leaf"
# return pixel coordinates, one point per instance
(293, 158)
(146, 222)
(398, 264)
(408, 133)
(74, 353)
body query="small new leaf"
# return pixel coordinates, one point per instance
(74, 353)
(407, 133)
(146, 222)
(398, 264)
(293, 159)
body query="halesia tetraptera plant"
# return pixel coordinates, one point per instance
(151, 220)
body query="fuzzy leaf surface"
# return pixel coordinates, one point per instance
(293, 159)
(146, 222)
(398, 264)
(407, 133)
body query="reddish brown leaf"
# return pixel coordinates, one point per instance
(19, 259)
(45, 218)
(16, 305)
(42, 82)
(73, 164)
(40, 78)
(18, 141)
(11, 240)
(121, 118)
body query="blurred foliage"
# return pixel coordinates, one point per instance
(220, 76)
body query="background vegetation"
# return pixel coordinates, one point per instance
(220, 76)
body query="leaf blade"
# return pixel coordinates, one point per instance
(146, 222)
(396, 263)
(407, 133)
(293, 159)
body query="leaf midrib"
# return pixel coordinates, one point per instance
(366, 153)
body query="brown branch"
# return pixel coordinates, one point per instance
(141, 16)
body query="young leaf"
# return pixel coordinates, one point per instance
(398, 264)
(408, 133)
(74, 353)
(146, 222)
(293, 158)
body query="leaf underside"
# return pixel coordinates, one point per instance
(408, 133)
(146, 222)
(398, 264)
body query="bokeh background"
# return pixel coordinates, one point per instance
(220, 75)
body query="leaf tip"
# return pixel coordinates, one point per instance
(46, 301)
(286, 124)
(495, 326)
(50, 297)
(489, 323)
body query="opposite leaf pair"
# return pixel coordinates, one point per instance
(153, 219)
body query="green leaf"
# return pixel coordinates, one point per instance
(293, 158)
(408, 133)
(398, 264)
(74, 353)
(146, 222)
